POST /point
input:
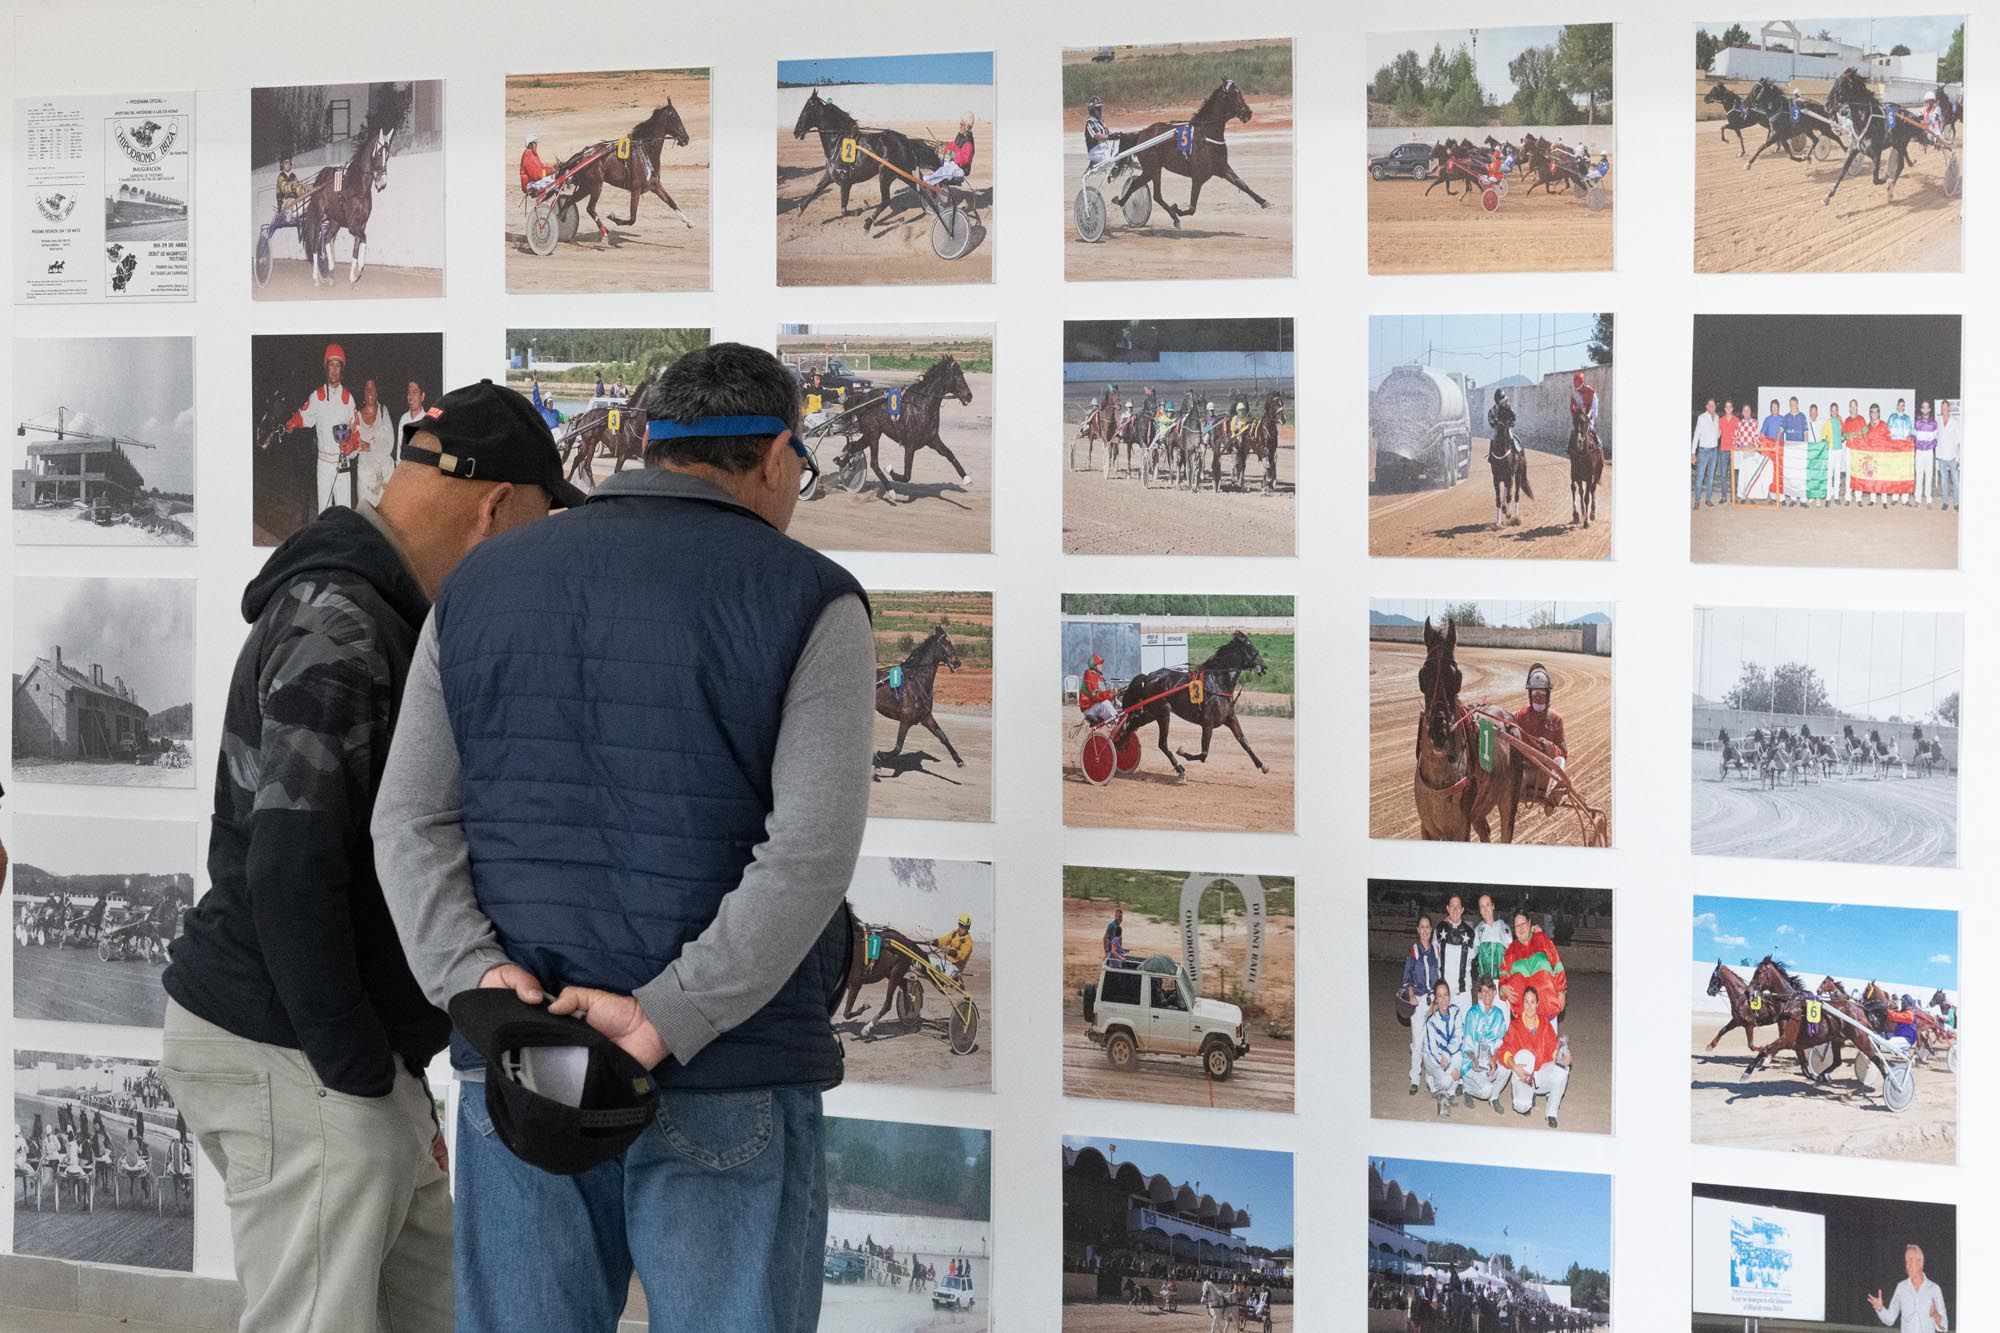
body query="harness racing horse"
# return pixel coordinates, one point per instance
(1786, 122)
(1205, 154)
(1743, 1013)
(344, 200)
(1731, 758)
(1586, 469)
(593, 431)
(910, 702)
(1873, 134)
(1204, 695)
(632, 163)
(1737, 112)
(1797, 1032)
(1457, 160)
(834, 128)
(1509, 463)
(1455, 795)
(889, 964)
(1262, 440)
(1099, 423)
(909, 416)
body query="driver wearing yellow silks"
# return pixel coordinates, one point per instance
(954, 951)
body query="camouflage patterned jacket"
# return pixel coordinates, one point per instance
(292, 944)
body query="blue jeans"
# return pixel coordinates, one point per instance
(720, 1206)
(1947, 481)
(1707, 473)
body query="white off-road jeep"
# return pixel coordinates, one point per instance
(1150, 1008)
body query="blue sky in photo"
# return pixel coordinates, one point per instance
(951, 67)
(1901, 945)
(1490, 1207)
(1258, 1182)
(1923, 34)
(1483, 348)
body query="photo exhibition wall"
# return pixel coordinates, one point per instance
(1301, 460)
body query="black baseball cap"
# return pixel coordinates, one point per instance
(589, 1121)
(490, 433)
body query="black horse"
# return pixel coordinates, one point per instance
(909, 416)
(1261, 439)
(1732, 757)
(849, 169)
(344, 200)
(1876, 130)
(1787, 122)
(1195, 148)
(1737, 112)
(1204, 695)
(1509, 463)
(632, 163)
(906, 693)
(1458, 161)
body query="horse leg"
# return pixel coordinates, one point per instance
(1845, 167)
(668, 200)
(1720, 1034)
(1228, 173)
(1236, 730)
(1179, 770)
(902, 730)
(880, 208)
(1769, 139)
(951, 458)
(888, 1001)
(817, 191)
(632, 207)
(590, 207)
(909, 462)
(930, 725)
(1160, 197)
(871, 440)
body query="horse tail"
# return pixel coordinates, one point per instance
(1521, 475)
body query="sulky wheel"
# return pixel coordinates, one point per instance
(260, 264)
(1500, 184)
(910, 1001)
(1129, 751)
(1098, 759)
(951, 233)
(1489, 200)
(1899, 1090)
(1090, 213)
(964, 1027)
(1951, 1057)
(850, 472)
(567, 221)
(1138, 207)
(1598, 199)
(1954, 180)
(540, 226)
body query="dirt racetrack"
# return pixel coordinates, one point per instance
(76, 986)
(1881, 821)
(1493, 675)
(291, 280)
(1226, 794)
(823, 248)
(658, 253)
(1113, 1317)
(921, 1057)
(867, 1307)
(922, 782)
(1458, 522)
(1777, 1109)
(1847, 537)
(1530, 233)
(935, 511)
(1228, 236)
(1261, 1081)
(1586, 1021)
(1774, 218)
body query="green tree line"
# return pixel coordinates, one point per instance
(1566, 83)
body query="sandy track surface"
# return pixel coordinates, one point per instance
(658, 253)
(76, 986)
(1110, 1317)
(1882, 821)
(86, 773)
(920, 1056)
(1779, 1110)
(1459, 522)
(1492, 675)
(1899, 537)
(291, 280)
(864, 1307)
(935, 511)
(1586, 1021)
(823, 247)
(923, 783)
(1530, 233)
(1774, 218)
(1228, 236)
(1262, 1080)
(1123, 516)
(1226, 794)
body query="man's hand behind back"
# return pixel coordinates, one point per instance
(617, 1017)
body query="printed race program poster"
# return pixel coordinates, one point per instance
(104, 206)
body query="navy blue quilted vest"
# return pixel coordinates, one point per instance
(615, 678)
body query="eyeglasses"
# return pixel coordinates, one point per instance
(809, 471)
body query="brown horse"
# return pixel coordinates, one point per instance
(1099, 423)
(1204, 695)
(592, 430)
(1455, 795)
(906, 693)
(1195, 148)
(1586, 469)
(1748, 1009)
(343, 200)
(1262, 440)
(889, 964)
(632, 163)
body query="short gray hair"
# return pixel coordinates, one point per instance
(720, 380)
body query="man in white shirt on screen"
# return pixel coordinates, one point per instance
(413, 399)
(1918, 1303)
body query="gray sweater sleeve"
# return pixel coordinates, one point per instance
(799, 873)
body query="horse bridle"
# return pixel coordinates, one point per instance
(1433, 700)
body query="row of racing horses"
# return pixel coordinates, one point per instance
(1186, 449)
(1795, 756)
(1852, 118)
(1545, 164)
(1774, 997)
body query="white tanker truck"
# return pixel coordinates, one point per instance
(1421, 432)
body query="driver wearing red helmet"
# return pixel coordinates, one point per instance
(1542, 726)
(329, 412)
(1095, 696)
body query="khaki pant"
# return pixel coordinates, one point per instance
(341, 1219)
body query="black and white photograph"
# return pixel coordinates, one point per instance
(96, 903)
(104, 445)
(347, 190)
(1827, 735)
(327, 414)
(103, 1164)
(104, 681)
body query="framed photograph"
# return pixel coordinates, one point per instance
(933, 705)
(918, 1009)
(1510, 706)
(1490, 436)
(929, 1235)
(1490, 150)
(1827, 735)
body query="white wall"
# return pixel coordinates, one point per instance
(224, 47)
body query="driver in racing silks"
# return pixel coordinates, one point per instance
(1098, 141)
(292, 192)
(1501, 417)
(952, 952)
(1542, 725)
(1582, 406)
(1094, 697)
(535, 174)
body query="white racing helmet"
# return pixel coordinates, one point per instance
(1538, 679)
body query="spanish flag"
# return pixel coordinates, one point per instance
(1878, 465)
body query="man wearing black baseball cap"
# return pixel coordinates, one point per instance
(296, 1038)
(633, 773)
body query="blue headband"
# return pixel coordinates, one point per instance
(715, 428)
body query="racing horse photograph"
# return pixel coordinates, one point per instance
(343, 201)
(632, 163)
(1197, 148)
(1203, 695)
(934, 651)
(907, 692)
(847, 170)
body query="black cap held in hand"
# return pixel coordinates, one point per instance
(618, 1096)
(488, 432)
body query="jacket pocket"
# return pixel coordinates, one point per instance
(230, 1114)
(718, 1130)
